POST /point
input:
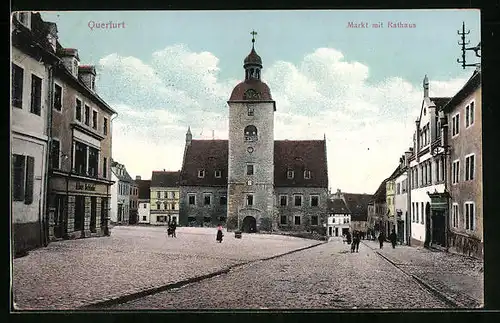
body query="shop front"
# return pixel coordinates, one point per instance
(78, 206)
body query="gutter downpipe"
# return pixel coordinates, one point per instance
(106, 223)
(45, 218)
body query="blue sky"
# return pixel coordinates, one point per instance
(168, 70)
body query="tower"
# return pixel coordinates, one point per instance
(251, 150)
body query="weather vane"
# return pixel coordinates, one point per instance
(253, 33)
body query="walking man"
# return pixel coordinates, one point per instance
(381, 238)
(393, 238)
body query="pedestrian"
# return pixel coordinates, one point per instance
(358, 241)
(381, 239)
(219, 234)
(355, 241)
(393, 238)
(173, 226)
(348, 237)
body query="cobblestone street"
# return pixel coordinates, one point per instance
(323, 277)
(73, 273)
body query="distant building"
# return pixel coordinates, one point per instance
(164, 197)
(377, 218)
(463, 133)
(347, 212)
(120, 194)
(390, 195)
(144, 205)
(428, 175)
(358, 207)
(134, 197)
(401, 198)
(339, 216)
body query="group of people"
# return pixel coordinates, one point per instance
(393, 238)
(353, 240)
(172, 225)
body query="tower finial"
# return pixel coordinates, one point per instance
(253, 33)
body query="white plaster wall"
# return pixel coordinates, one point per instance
(26, 213)
(22, 120)
(420, 195)
(144, 212)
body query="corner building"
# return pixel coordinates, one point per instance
(253, 181)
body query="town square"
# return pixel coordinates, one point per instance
(156, 168)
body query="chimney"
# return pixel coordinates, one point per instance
(87, 73)
(433, 122)
(138, 178)
(70, 60)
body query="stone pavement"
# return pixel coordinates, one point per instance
(328, 276)
(73, 273)
(458, 277)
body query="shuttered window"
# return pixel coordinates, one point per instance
(18, 172)
(30, 177)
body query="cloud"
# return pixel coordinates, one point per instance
(367, 126)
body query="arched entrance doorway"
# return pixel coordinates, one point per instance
(428, 227)
(249, 225)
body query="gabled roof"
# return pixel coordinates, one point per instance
(380, 194)
(300, 155)
(209, 155)
(125, 177)
(472, 85)
(358, 205)
(337, 206)
(296, 155)
(144, 187)
(440, 101)
(165, 179)
(395, 173)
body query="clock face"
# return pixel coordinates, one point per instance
(251, 94)
(250, 149)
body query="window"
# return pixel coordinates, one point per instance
(417, 209)
(249, 199)
(429, 172)
(454, 213)
(218, 174)
(398, 188)
(283, 200)
(23, 178)
(413, 212)
(80, 158)
(207, 199)
(191, 199)
(93, 162)
(56, 152)
(469, 216)
(158, 195)
(223, 200)
(250, 111)
(455, 125)
(105, 126)
(160, 218)
(17, 86)
(57, 97)
(172, 206)
(78, 110)
(250, 169)
(297, 220)
(469, 167)
(469, 115)
(404, 185)
(422, 210)
(314, 220)
(144, 218)
(36, 95)
(283, 219)
(87, 115)
(455, 168)
(201, 173)
(144, 205)
(298, 200)
(250, 133)
(314, 200)
(158, 205)
(105, 167)
(94, 119)
(290, 174)
(307, 174)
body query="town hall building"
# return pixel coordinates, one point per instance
(252, 182)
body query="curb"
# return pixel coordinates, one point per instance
(150, 291)
(442, 296)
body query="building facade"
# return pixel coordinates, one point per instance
(377, 213)
(164, 197)
(339, 216)
(427, 175)
(358, 207)
(401, 200)
(251, 180)
(463, 133)
(134, 202)
(120, 194)
(143, 202)
(390, 193)
(31, 67)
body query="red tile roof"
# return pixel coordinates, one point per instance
(296, 155)
(260, 87)
(358, 205)
(337, 206)
(165, 179)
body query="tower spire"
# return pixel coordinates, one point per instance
(253, 33)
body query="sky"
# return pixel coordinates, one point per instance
(163, 71)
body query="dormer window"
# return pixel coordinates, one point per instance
(290, 174)
(307, 174)
(75, 67)
(250, 133)
(201, 173)
(218, 174)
